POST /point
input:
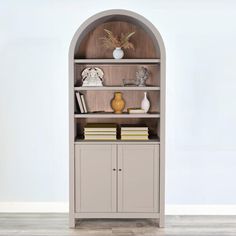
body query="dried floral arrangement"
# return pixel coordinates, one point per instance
(111, 41)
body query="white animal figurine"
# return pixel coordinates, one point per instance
(92, 76)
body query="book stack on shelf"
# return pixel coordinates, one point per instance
(100, 131)
(81, 103)
(134, 132)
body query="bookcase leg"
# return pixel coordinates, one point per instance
(72, 222)
(162, 222)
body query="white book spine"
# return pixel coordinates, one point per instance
(84, 104)
(80, 102)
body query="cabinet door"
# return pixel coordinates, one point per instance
(138, 178)
(95, 178)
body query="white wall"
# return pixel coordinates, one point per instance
(200, 39)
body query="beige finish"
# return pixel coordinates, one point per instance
(115, 88)
(116, 61)
(57, 225)
(98, 170)
(113, 115)
(118, 141)
(138, 178)
(117, 215)
(83, 45)
(95, 178)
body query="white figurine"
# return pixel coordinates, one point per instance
(92, 76)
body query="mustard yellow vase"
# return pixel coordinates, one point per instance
(118, 103)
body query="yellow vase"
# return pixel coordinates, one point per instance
(118, 103)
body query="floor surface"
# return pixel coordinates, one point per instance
(57, 225)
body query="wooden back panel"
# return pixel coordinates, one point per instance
(115, 73)
(91, 45)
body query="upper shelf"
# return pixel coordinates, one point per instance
(115, 61)
(122, 88)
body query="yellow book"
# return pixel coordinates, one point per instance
(100, 127)
(134, 132)
(125, 137)
(100, 137)
(100, 132)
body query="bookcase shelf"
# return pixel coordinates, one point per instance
(113, 115)
(115, 61)
(121, 88)
(118, 141)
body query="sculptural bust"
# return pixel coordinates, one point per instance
(141, 76)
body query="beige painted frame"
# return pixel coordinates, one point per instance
(157, 39)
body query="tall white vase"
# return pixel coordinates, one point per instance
(118, 53)
(145, 105)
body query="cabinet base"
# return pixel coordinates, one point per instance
(117, 215)
(78, 216)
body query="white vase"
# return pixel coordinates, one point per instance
(145, 105)
(118, 53)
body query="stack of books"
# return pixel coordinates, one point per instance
(81, 103)
(134, 132)
(100, 131)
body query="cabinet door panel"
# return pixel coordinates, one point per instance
(138, 178)
(95, 180)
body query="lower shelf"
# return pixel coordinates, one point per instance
(151, 141)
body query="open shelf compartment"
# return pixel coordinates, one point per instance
(153, 125)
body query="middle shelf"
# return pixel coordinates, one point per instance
(113, 115)
(98, 103)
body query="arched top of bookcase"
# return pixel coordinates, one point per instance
(86, 43)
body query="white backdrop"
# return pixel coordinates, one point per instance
(200, 40)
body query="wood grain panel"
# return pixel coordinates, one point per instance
(101, 100)
(51, 224)
(91, 45)
(151, 123)
(114, 74)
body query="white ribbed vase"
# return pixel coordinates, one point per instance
(118, 53)
(145, 105)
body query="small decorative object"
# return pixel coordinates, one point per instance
(141, 76)
(135, 110)
(129, 82)
(111, 41)
(92, 76)
(145, 105)
(118, 103)
(118, 53)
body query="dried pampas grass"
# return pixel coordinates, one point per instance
(111, 41)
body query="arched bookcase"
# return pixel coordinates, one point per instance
(117, 179)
